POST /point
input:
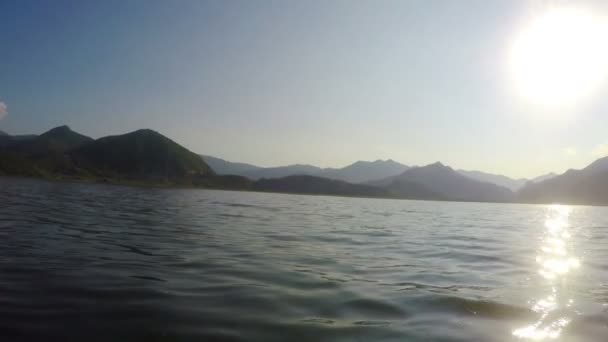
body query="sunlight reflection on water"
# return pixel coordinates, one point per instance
(556, 260)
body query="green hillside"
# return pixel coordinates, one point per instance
(141, 155)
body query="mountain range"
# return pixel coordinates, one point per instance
(437, 181)
(146, 157)
(510, 183)
(141, 157)
(358, 172)
(586, 186)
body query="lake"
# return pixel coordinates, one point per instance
(110, 263)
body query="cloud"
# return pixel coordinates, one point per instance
(570, 151)
(3, 110)
(600, 150)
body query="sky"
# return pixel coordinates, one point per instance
(282, 82)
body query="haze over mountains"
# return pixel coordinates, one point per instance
(586, 186)
(146, 157)
(358, 172)
(443, 181)
(513, 184)
(510, 183)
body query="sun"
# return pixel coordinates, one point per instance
(561, 57)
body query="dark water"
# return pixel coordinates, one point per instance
(104, 263)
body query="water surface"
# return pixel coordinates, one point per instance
(110, 263)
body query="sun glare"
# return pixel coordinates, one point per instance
(556, 261)
(561, 57)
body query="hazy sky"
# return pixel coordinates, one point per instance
(281, 82)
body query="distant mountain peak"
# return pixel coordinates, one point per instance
(59, 130)
(362, 162)
(301, 165)
(3, 134)
(64, 132)
(598, 165)
(438, 166)
(440, 181)
(146, 131)
(56, 140)
(543, 177)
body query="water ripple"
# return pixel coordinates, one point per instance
(101, 263)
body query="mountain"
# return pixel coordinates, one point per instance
(358, 172)
(364, 171)
(147, 157)
(140, 155)
(40, 156)
(224, 167)
(56, 140)
(3, 134)
(64, 137)
(543, 177)
(318, 186)
(586, 186)
(282, 171)
(437, 181)
(504, 181)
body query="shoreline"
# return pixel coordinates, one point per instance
(148, 185)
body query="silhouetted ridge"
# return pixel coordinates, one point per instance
(48, 150)
(500, 180)
(317, 186)
(224, 167)
(543, 177)
(147, 157)
(437, 181)
(599, 165)
(358, 172)
(59, 130)
(142, 154)
(364, 171)
(586, 186)
(40, 156)
(63, 138)
(140, 157)
(56, 141)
